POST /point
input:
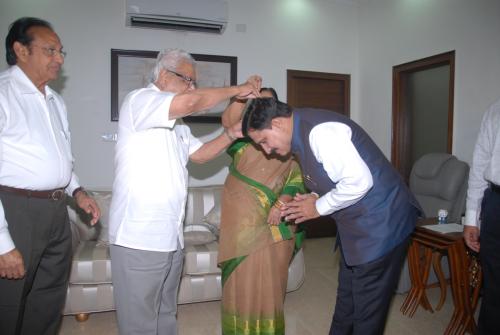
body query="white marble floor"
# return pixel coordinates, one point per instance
(308, 310)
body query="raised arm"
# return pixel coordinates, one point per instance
(215, 147)
(232, 113)
(204, 98)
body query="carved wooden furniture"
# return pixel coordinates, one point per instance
(465, 276)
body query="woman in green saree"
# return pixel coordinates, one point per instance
(255, 247)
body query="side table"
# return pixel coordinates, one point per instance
(426, 248)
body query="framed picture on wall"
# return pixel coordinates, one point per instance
(131, 69)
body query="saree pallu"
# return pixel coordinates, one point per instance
(254, 256)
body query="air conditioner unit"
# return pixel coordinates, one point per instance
(191, 15)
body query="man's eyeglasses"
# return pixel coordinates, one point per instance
(50, 52)
(187, 79)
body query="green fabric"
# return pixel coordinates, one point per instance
(238, 325)
(228, 267)
(300, 236)
(293, 185)
(237, 146)
(285, 231)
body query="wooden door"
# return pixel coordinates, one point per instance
(319, 90)
(407, 126)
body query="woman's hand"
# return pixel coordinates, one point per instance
(274, 217)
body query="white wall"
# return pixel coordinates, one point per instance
(364, 40)
(393, 32)
(315, 35)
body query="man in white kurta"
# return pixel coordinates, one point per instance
(150, 189)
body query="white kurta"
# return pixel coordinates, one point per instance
(150, 187)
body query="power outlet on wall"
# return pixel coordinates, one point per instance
(109, 137)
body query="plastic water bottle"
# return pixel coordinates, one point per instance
(442, 216)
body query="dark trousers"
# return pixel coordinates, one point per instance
(489, 315)
(365, 292)
(40, 230)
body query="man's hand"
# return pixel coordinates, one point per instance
(471, 237)
(12, 265)
(301, 208)
(88, 205)
(251, 88)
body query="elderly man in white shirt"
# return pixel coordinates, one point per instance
(482, 216)
(150, 189)
(36, 171)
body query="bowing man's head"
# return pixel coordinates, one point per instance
(268, 122)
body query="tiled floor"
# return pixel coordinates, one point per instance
(308, 310)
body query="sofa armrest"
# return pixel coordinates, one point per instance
(296, 272)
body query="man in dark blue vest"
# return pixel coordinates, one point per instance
(350, 180)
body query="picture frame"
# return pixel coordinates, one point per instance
(131, 69)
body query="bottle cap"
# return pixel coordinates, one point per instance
(442, 213)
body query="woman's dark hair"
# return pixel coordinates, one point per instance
(261, 111)
(270, 90)
(18, 32)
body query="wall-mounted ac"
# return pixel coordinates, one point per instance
(192, 15)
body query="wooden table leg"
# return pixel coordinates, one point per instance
(419, 268)
(436, 264)
(463, 314)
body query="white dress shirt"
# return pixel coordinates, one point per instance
(35, 143)
(485, 167)
(150, 187)
(331, 144)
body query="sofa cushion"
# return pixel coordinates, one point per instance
(212, 219)
(89, 299)
(201, 259)
(103, 199)
(197, 237)
(77, 219)
(91, 264)
(199, 202)
(199, 288)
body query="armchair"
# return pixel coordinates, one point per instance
(438, 181)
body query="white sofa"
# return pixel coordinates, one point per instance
(90, 287)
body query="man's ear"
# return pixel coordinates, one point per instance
(277, 123)
(21, 51)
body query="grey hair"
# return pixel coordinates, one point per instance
(169, 59)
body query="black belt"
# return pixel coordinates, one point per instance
(55, 194)
(495, 188)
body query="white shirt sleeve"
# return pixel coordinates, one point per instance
(150, 109)
(332, 146)
(73, 184)
(481, 160)
(194, 144)
(6, 243)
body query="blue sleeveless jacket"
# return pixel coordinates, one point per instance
(384, 217)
